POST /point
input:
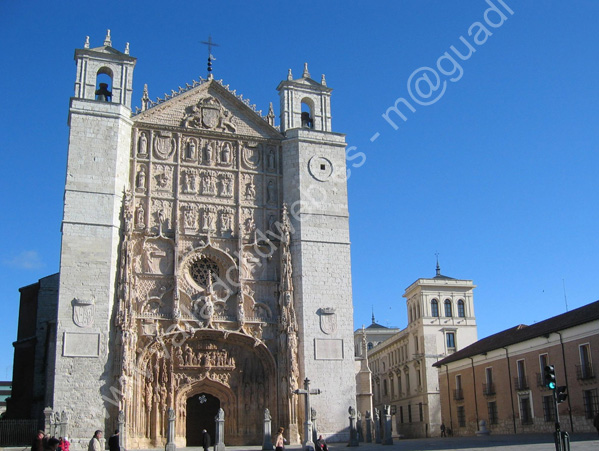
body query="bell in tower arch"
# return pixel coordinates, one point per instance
(103, 94)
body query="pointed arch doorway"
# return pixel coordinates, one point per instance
(201, 410)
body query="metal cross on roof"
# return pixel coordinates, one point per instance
(211, 58)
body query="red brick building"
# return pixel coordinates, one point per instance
(499, 379)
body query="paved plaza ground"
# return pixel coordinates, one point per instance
(521, 442)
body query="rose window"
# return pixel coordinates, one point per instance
(203, 268)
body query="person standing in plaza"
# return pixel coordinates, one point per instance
(443, 430)
(279, 440)
(94, 443)
(205, 440)
(113, 442)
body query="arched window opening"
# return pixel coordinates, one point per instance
(307, 114)
(461, 310)
(104, 85)
(435, 308)
(448, 308)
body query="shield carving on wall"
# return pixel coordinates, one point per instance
(210, 116)
(83, 312)
(328, 320)
(164, 145)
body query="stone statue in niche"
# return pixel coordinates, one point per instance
(191, 150)
(140, 218)
(271, 160)
(208, 154)
(142, 147)
(188, 182)
(141, 179)
(271, 223)
(225, 153)
(271, 196)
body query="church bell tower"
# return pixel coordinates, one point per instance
(97, 175)
(315, 189)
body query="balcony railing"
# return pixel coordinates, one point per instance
(584, 372)
(458, 394)
(520, 383)
(489, 389)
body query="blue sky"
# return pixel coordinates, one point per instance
(499, 175)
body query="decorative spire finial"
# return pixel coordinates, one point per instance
(211, 58)
(145, 98)
(86, 45)
(127, 48)
(289, 75)
(270, 117)
(107, 39)
(323, 81)
(438, 267)
(373, 315)
(306, 74)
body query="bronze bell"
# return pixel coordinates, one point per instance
(307, 121)
(103, 94)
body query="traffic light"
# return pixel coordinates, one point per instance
(561, 394)
(550, 377)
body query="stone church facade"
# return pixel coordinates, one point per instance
(205, 261)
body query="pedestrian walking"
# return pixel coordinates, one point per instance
(443, 430)
(94, 443)
(113, 442)
(205, 440)
(280, 440)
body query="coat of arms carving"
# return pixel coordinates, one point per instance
(208, 113)
(83, 312)
(328, 320)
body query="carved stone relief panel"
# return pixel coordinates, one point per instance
(225, 185)
(165, 145)
(208, 183)
(209, 214)
(189, 218)
(248, 222)
(162, 177)
(162, 214)
(249, 190)
(157, 257)
(189, 181)
(226, 216)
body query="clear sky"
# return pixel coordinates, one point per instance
(497, 169)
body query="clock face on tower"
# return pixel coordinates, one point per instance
(320, 168)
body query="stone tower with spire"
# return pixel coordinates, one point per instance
(96, 179)
(315, 188)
